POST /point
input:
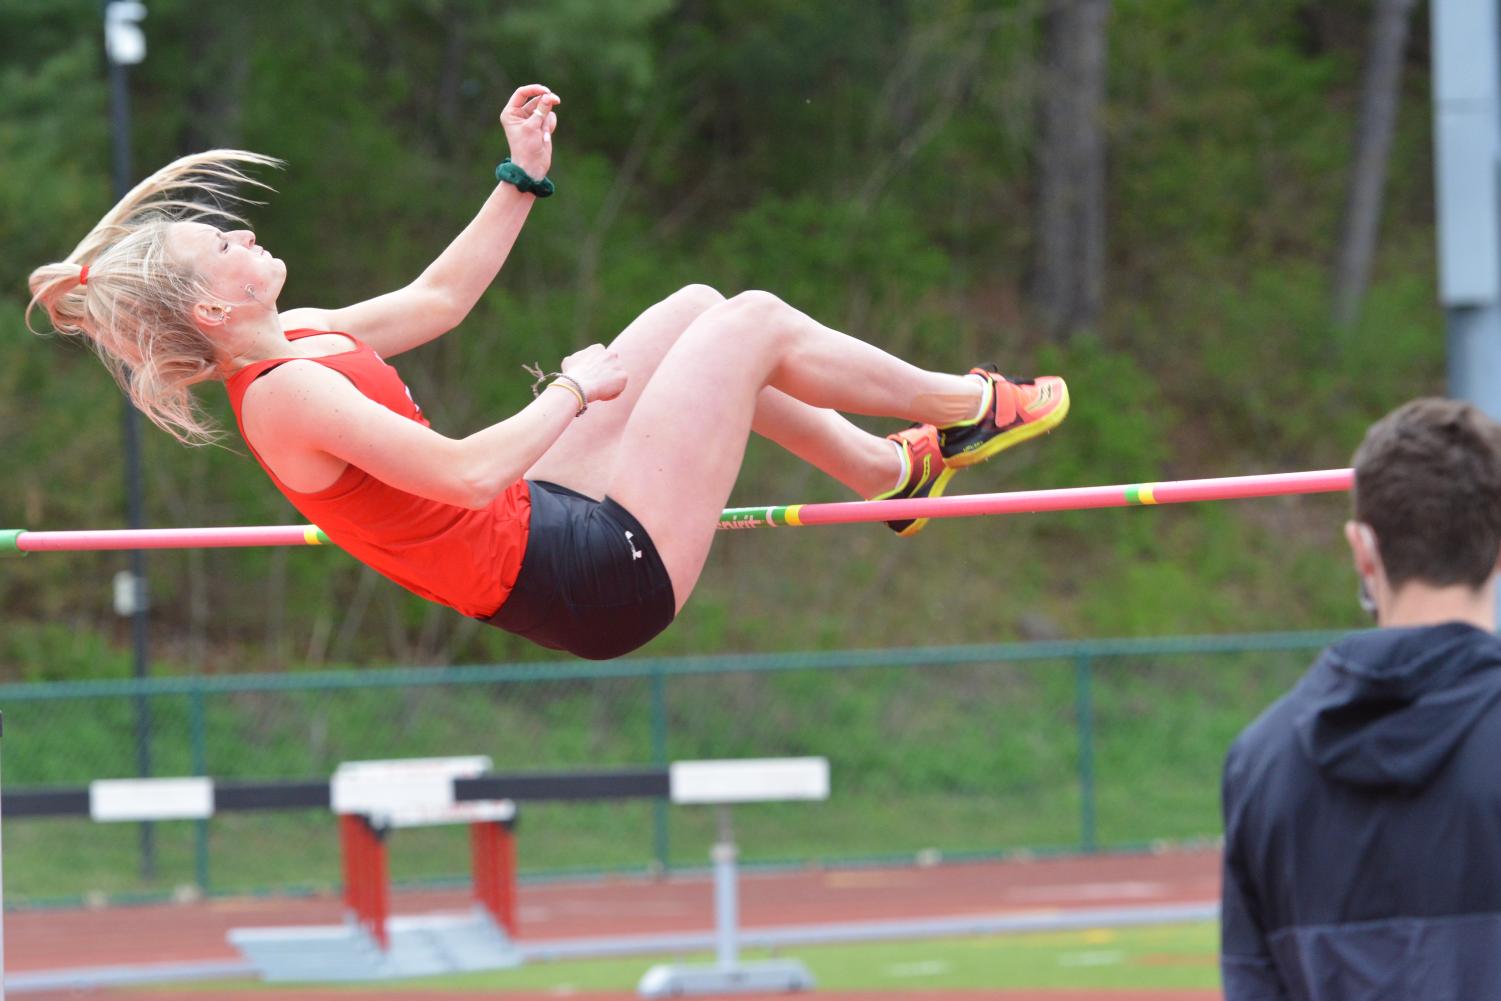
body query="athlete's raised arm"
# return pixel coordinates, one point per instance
(440, 298)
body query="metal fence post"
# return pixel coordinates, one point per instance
(1084, 721)
(660, 838)
(197, 730)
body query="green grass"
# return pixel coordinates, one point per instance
(1169, 956)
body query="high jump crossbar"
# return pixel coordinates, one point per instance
(740, 518)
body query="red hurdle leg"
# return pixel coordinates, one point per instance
(365, 891)
(380, 891)
(483, 864)
(351, 839)
(494, 865)
(507, 879)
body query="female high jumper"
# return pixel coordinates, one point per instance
(581, 522)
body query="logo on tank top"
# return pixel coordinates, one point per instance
(636, 554)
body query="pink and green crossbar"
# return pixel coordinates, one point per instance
(739, 518)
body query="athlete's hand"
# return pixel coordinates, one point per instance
(598, 370)
(529, 121)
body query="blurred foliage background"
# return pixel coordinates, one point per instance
(875, 163)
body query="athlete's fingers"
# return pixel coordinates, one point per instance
(544, 106)
(526, 93)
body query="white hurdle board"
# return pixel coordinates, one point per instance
(413, 792)
(723, 784)
(748, 780)
(112, 800)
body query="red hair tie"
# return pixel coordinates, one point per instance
(83, 275)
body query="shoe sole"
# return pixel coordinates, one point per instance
(938, 487)
(1015, 436)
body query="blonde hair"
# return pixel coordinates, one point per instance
(136, 307)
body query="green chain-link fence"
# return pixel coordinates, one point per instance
(935, 752)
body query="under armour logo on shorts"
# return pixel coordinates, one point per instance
(636, 554)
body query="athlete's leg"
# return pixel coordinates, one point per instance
(683, 444)
(866, 463)
(583, 458)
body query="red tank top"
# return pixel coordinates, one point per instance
(466, 559)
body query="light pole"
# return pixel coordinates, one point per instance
(125, 45)
(1467, 178)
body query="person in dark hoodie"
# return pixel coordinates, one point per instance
(1363, 809)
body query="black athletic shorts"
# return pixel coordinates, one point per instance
(591, 582)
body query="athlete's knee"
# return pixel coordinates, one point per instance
(749, 321)
(755, 299)
(760, 308)
(699, 298)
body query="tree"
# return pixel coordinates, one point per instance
(1379, 100)
(1069, 264)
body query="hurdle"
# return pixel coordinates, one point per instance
(371, 799)
(722, 784)
(17, 541)
(363, 795)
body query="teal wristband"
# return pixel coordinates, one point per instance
(508, 173)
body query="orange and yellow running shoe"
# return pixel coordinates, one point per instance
(927, 473)
(1018, 410)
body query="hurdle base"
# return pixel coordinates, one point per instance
(762, 977)
(420, 946)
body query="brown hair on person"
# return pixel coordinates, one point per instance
(1428, 482)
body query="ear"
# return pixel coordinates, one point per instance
(209, 316)
(1360, 549)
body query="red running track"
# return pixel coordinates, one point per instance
(195, 932)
